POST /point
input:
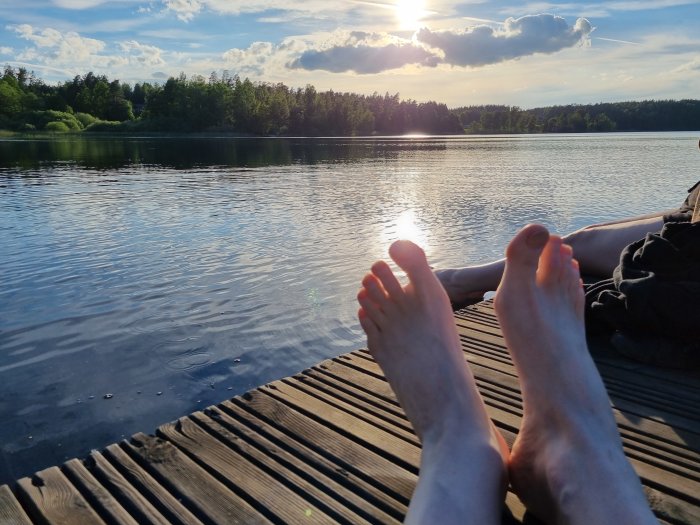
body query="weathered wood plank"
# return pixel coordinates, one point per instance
(677, 473)
(401, 445)
(300, 476)
(11, 512)
(344, 483)
(167, 504)
(333, 443)
(228, 464)
(51, 498)
(198, 490)
(142, 509)
(103, 502)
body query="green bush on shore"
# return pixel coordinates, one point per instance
(57, 127)
(85, 119)
(105, 125)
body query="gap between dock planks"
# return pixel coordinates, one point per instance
(332, 445)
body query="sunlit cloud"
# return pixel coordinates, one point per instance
(519, 37)
(476, 46)
(366, 59)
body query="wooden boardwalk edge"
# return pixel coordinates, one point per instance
(332, 445)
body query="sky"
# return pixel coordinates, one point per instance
(526, 54)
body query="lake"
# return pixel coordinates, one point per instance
(144, 278)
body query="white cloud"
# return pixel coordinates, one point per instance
(689, 67)
(477, 46)
(251, 60)
(142, 53)
(63, 49)
(6, 50)
(293, 10)
(184, 9)
(365, 53)
(79, 54)
(482, 45)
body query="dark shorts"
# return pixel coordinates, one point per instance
(685, 211)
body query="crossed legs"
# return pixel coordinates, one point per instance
(567, 463)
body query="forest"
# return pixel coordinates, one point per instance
(217, 104)
(647, 115)
(230, 104)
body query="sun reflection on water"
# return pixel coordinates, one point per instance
(405, 226)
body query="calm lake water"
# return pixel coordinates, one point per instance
(175, 273)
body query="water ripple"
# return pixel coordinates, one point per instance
(216, 265)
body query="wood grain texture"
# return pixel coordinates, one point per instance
(11, 512)
(332, 445)
(51, 498)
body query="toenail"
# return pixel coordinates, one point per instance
(537, 239)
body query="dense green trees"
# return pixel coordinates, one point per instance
(648, 115)
(231, 104)
(215, 104)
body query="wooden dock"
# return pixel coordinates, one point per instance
(331, 445)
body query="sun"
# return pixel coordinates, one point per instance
(410, 13)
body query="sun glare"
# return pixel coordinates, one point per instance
(410, 13)
(406, 226)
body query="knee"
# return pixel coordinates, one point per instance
(580, 240)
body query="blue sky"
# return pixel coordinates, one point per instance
(473, 52)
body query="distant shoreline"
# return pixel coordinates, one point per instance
(44, 135)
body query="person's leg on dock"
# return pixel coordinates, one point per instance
(596, 247)
(412, 335)
(567, 464)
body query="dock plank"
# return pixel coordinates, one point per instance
(196, 488)
(230, 466)
(372, 467)
(146, 485)
(94, 492)
(51, 498)
(332, 445)
(142, 509)
(322, 466)
(11, 512)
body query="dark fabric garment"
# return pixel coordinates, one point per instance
(651, 305)
(685, 211)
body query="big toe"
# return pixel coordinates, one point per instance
(524, 250)
(411, 259)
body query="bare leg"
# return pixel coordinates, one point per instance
(597, 249)
(411, 333)
(567, 464)
(468, 285)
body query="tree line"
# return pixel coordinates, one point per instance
(648, 115)
(226, 103)
(230, 104)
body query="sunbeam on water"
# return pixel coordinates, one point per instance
(207, 267)
(408, 228)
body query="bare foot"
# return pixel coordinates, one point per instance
(567, 464)
(411, 333)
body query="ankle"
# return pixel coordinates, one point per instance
(594, 483)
